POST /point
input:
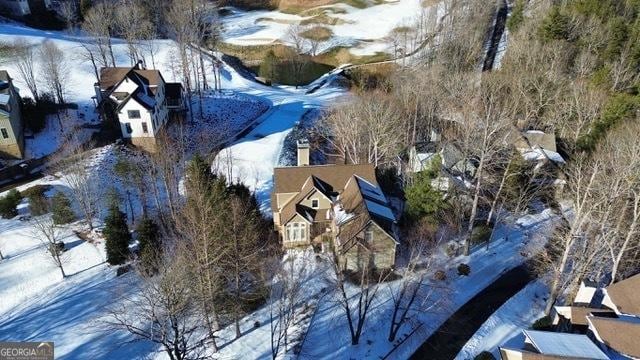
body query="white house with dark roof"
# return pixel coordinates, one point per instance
(141, 101)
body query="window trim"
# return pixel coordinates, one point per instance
(128, 128)
(5, 133)
(145, 127)
(316, 202)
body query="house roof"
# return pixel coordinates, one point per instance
(625, 295)
(363, 201)
(620, 334)
(293, 207)
(110, 77)
(579, 314)
(573, 346)
(290, 179)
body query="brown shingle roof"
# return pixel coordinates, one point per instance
(291, 179)
(626, 295)
(579, 314)
(619, 334)
(111, 76)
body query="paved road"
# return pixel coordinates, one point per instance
(449, 339)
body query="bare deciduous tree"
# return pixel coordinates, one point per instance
(162, 312)
(50, 235)
(54, 69)
(26, 63)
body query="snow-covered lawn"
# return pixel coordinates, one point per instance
(366, 30)
(517, 314)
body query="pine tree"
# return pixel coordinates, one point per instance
(117, 236)
(423, 200)
(61, 209)
(149, 245)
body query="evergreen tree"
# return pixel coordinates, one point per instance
(61, 209)
(556, 26)
(268, 67)
(149, 245)
(423, 200)
(117, 236)
(9, 204)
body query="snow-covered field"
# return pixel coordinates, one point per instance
(517, 314)
(365, 31)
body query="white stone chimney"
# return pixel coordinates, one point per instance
(303, 152)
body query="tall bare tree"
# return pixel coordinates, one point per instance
(163, 313)
(26, 63)
(54, 69)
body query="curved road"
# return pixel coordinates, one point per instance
(449, 339)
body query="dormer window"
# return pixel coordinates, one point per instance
(315, 203)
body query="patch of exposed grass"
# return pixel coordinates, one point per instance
(277, 21)
(317, 33)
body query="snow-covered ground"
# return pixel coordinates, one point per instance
(366, 30)
(517, 314)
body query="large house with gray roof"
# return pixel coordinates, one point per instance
(11, 125)
(139, 100)
(335, 207)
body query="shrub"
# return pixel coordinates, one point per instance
(464, 270)
(9, 204)
(481, 234)
(517, 16)
(544, 323)
(269, 66)
(451, 250)
(61, 209)
(440, 275)
(35, 113)
(256, 324)
(38, 202)
(485, 355)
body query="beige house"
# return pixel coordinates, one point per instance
(337, 207)
(11, 126)
(140, 100)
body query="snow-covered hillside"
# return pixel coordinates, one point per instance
(365, 31)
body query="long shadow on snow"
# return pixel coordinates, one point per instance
(75, 311)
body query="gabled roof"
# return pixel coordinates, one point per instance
(625, 295)
(573, 346)
(293, 207)
(111, 77)
(620, 334)
(290, 179)
(363, 201)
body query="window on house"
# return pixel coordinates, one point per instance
(133, 114)
(145, 129)
(128, 127)
(368, 235)
(297, 232)
(315, 203)
(5, 134)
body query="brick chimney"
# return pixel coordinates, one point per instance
(303, 152)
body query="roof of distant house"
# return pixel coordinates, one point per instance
(626, 295)
(620, 334)
(565, 345)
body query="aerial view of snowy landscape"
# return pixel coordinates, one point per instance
(320, 179)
